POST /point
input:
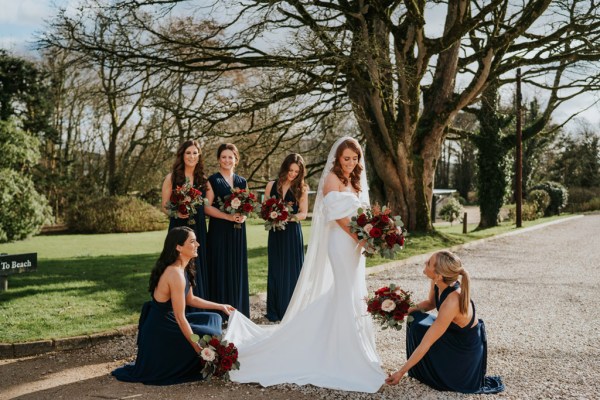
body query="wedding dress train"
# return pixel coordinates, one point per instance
(328, 340)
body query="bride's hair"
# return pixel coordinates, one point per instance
(168, 256)
(337, 168)
(449, 266)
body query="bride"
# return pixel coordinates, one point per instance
(326, 337)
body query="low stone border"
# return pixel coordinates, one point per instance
(25, 349)
(17, 350)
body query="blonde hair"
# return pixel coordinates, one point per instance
(449, 266)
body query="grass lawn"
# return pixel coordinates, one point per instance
(91, 283)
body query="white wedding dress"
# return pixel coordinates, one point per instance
(326, 337)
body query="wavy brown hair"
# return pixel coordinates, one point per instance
(168, 256)
(337, 167)
(178, 170)
(298, 186)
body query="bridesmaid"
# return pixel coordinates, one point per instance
(447, 352)
(189, 164)
(166, 352)
(286, 247)
(227, 249)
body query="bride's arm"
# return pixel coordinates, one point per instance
(332, 184)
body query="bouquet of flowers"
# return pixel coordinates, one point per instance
(390, 305)
(184, 199)
(217, 357)
(275, 212)
(383, 233)
(240, 201)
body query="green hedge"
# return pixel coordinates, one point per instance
(23, 211)
(115, 214)
(559, 195)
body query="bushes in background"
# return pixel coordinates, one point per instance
(115, 214)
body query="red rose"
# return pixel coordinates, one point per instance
(391, 239)
(182, 209)
(398, 315)
(400, 240)
(361, 220)
(283, 216)
(252, 196)
(375, 232)
(226, 363)
(375, 220)
(385, 219)
(214, 342)
(403, 307)
(247, 207)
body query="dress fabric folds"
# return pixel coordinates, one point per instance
(199, 227)
(285, 255)
(227, 252)
(457, 361)
(164, 356)
(328, 343)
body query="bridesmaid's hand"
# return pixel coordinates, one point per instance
(182, 216)
(394, 378)
(227, 309)
(239, 218)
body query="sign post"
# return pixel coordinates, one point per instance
(15, 264)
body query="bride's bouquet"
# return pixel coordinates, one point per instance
(184, 199)
(240, 201)
(217, 356)
(390, 306)
(383, 232)
(276, 213)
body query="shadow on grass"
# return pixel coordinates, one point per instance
(87, 277)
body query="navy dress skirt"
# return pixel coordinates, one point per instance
(457, 361)
(164, 355)
(227, 252)
(286, 255)
(199, 227)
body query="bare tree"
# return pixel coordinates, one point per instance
(371, 58)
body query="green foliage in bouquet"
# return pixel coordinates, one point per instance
(115, 214)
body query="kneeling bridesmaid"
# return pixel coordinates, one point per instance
(166, 353)
(448, 352)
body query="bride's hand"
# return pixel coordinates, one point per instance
(394, 378)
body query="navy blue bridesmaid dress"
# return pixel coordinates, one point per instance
(457, 361)
(201, 289)
(164, 355)
(286, 255)
(227, 252)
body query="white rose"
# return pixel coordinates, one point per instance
(273, 214)
(236, 203)
(388, 305)
(208, 354)
(368, 228)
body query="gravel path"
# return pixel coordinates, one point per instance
(537, 292)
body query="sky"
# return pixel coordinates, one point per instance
(22, 20)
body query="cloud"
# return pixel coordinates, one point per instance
(25, 13)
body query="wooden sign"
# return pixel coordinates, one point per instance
(18, 263)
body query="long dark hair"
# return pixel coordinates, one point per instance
(176, 237)
(337, 168)
(298, 186)
(178, 170)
